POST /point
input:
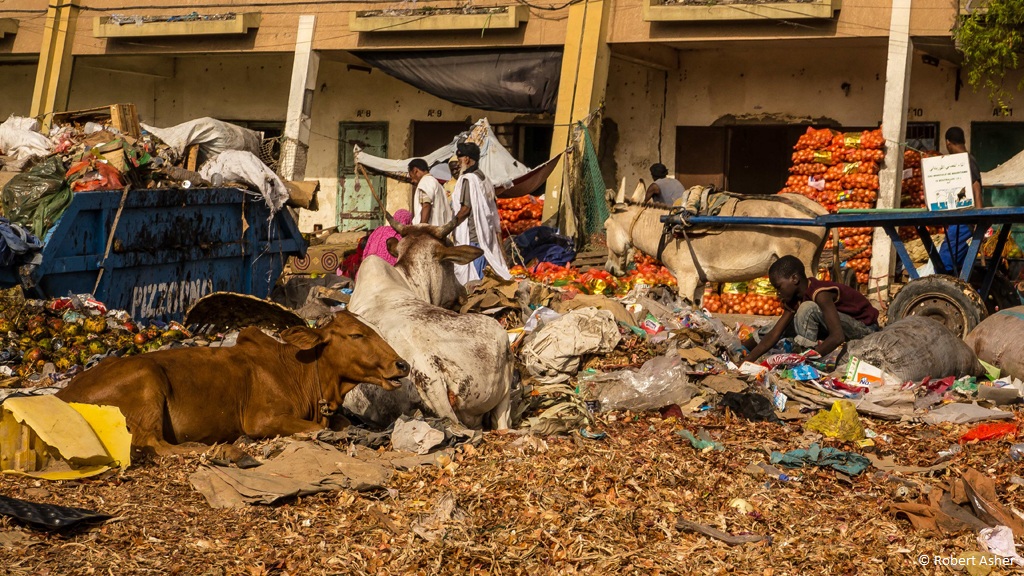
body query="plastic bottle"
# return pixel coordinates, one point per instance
(1017, 452)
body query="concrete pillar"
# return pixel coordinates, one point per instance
(581, 88)
(53, 75)
(894, 130)
(300, 102)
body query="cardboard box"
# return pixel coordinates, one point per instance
(303, 194)
(947, 182)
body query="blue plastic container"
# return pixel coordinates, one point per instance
(171, 247)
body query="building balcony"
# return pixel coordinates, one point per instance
(193, 25)
(697, 10)
(435, 19)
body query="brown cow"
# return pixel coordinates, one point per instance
(259, 387)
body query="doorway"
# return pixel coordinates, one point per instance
(357, 208)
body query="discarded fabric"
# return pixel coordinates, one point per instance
(848, 463)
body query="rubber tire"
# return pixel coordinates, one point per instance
(1003, 293)
(948, 300)
(849, 277)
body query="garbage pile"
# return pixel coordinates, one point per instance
(47, 341)
(109, 149)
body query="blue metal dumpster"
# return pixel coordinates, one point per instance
(171, 247)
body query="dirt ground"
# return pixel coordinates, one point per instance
(563, 505)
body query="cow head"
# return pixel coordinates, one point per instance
(427, 259)
(348, 352)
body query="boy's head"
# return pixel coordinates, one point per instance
(787, 276)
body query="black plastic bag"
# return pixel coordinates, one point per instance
(35, 199)
(751, 406)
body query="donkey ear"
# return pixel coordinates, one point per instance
(639, 193)
(620, 198)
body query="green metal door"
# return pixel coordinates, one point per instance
(993, 143)
(357, 208)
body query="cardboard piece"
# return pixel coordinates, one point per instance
(303, 194)
(862, 373)
(695, 356)
(44, 437)
(947, 182)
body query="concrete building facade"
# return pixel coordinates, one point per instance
(716, 91)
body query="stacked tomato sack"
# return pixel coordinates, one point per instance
(597, 280)
(756, 297)
(840, 172)
(912, 190)
(519, 214)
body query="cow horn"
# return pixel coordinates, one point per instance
(399, 227)
(446, 229)
(620, 198)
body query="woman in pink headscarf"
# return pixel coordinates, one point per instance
(377, 243)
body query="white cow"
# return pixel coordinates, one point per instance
(461, 366)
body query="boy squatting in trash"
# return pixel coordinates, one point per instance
(815, 307)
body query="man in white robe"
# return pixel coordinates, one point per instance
(430, 204)
(476, 212)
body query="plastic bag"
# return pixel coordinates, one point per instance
(841, 422)
(991, 431)
(35, 199)
(659, 382)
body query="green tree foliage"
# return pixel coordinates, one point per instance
(992, 41)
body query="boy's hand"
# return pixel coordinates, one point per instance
(811, 354)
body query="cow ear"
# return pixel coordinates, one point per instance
(461, 254)
(302, 338)
(392, 244)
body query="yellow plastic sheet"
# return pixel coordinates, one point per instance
(840, 422)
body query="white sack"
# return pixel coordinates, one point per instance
(239, 166)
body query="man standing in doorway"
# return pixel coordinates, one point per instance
(663, 190)
(429, 202)
(954, 250)
(476, 213)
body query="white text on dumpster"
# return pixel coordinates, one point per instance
(154, 300)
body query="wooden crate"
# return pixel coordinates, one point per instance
(124, 117)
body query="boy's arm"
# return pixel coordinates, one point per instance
(771, 337)
(825, 300)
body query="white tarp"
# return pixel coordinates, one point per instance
(495, 161)
(241, 166)
(213, 136)
(1007, 174)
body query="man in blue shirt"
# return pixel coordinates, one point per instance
(953, 251)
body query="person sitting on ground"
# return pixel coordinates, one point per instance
(377, 243)
(815, 306)
(430, 204)
(663, 190)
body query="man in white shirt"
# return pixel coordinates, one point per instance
(430, 204)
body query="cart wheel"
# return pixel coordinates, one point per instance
(945, 299)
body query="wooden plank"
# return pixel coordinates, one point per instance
(191, 157)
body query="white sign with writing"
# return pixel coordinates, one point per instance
(947, 182)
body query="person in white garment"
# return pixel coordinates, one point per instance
(476, 213)
(430, 204)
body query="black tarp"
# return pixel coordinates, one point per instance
(524, 81)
